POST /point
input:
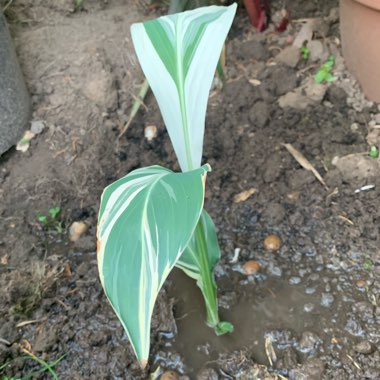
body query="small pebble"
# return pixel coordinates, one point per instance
(169, 375)
(364, 347)
(327, 299)
(294, 280)
(37, 127)
(354, 127)
(274, 270)
(308, 307)
(272, 243)
(150, 132)
(293, 196)
(302, 272)
(76, 230)
(309, 342)
(361, 284)
(251, 267)
(310, 290)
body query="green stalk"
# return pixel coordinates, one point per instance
(207, 284)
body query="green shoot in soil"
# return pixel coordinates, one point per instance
(45, 367)
(78, 4)
(50, 222)
(368, 264)
(305, 52)
(374, 152)
(324, 74)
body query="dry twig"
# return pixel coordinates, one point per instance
(303, 161)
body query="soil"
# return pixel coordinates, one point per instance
(312, 310)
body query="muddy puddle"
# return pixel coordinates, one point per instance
(296, 313)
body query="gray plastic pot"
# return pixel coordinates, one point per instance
(14, 97)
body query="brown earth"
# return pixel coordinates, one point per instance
(314, 302)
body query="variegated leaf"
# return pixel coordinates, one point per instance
(146, 220)
(178, 54)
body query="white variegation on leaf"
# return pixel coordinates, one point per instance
(146, 220)
(178, 54)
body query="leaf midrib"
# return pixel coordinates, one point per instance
(181, 93)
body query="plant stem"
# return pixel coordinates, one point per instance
(209, 286)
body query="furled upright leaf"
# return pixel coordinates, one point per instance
(146, 220)
(178, 54)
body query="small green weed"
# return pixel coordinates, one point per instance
(368, 264)
(305, 52)
(374, 152)
(78, 4)
(50, 222)
(45, 367)
(324, 74)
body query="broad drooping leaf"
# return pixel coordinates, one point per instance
(178, 54)
(146, 220)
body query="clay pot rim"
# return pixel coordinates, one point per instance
(375, 4)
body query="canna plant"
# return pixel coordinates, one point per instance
(153, 219)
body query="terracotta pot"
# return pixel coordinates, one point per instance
(360, 34)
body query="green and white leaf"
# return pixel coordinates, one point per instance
(146, 220)
(178, 54)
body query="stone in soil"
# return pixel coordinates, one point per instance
(289, 56)
(282, 338)
(76, 230)
(308, 94)
(327, 299)
(309, 342)
(259, 114)
(169, 375)
(363, 347)
(318, 51)
(251, 267)
(272, 243)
